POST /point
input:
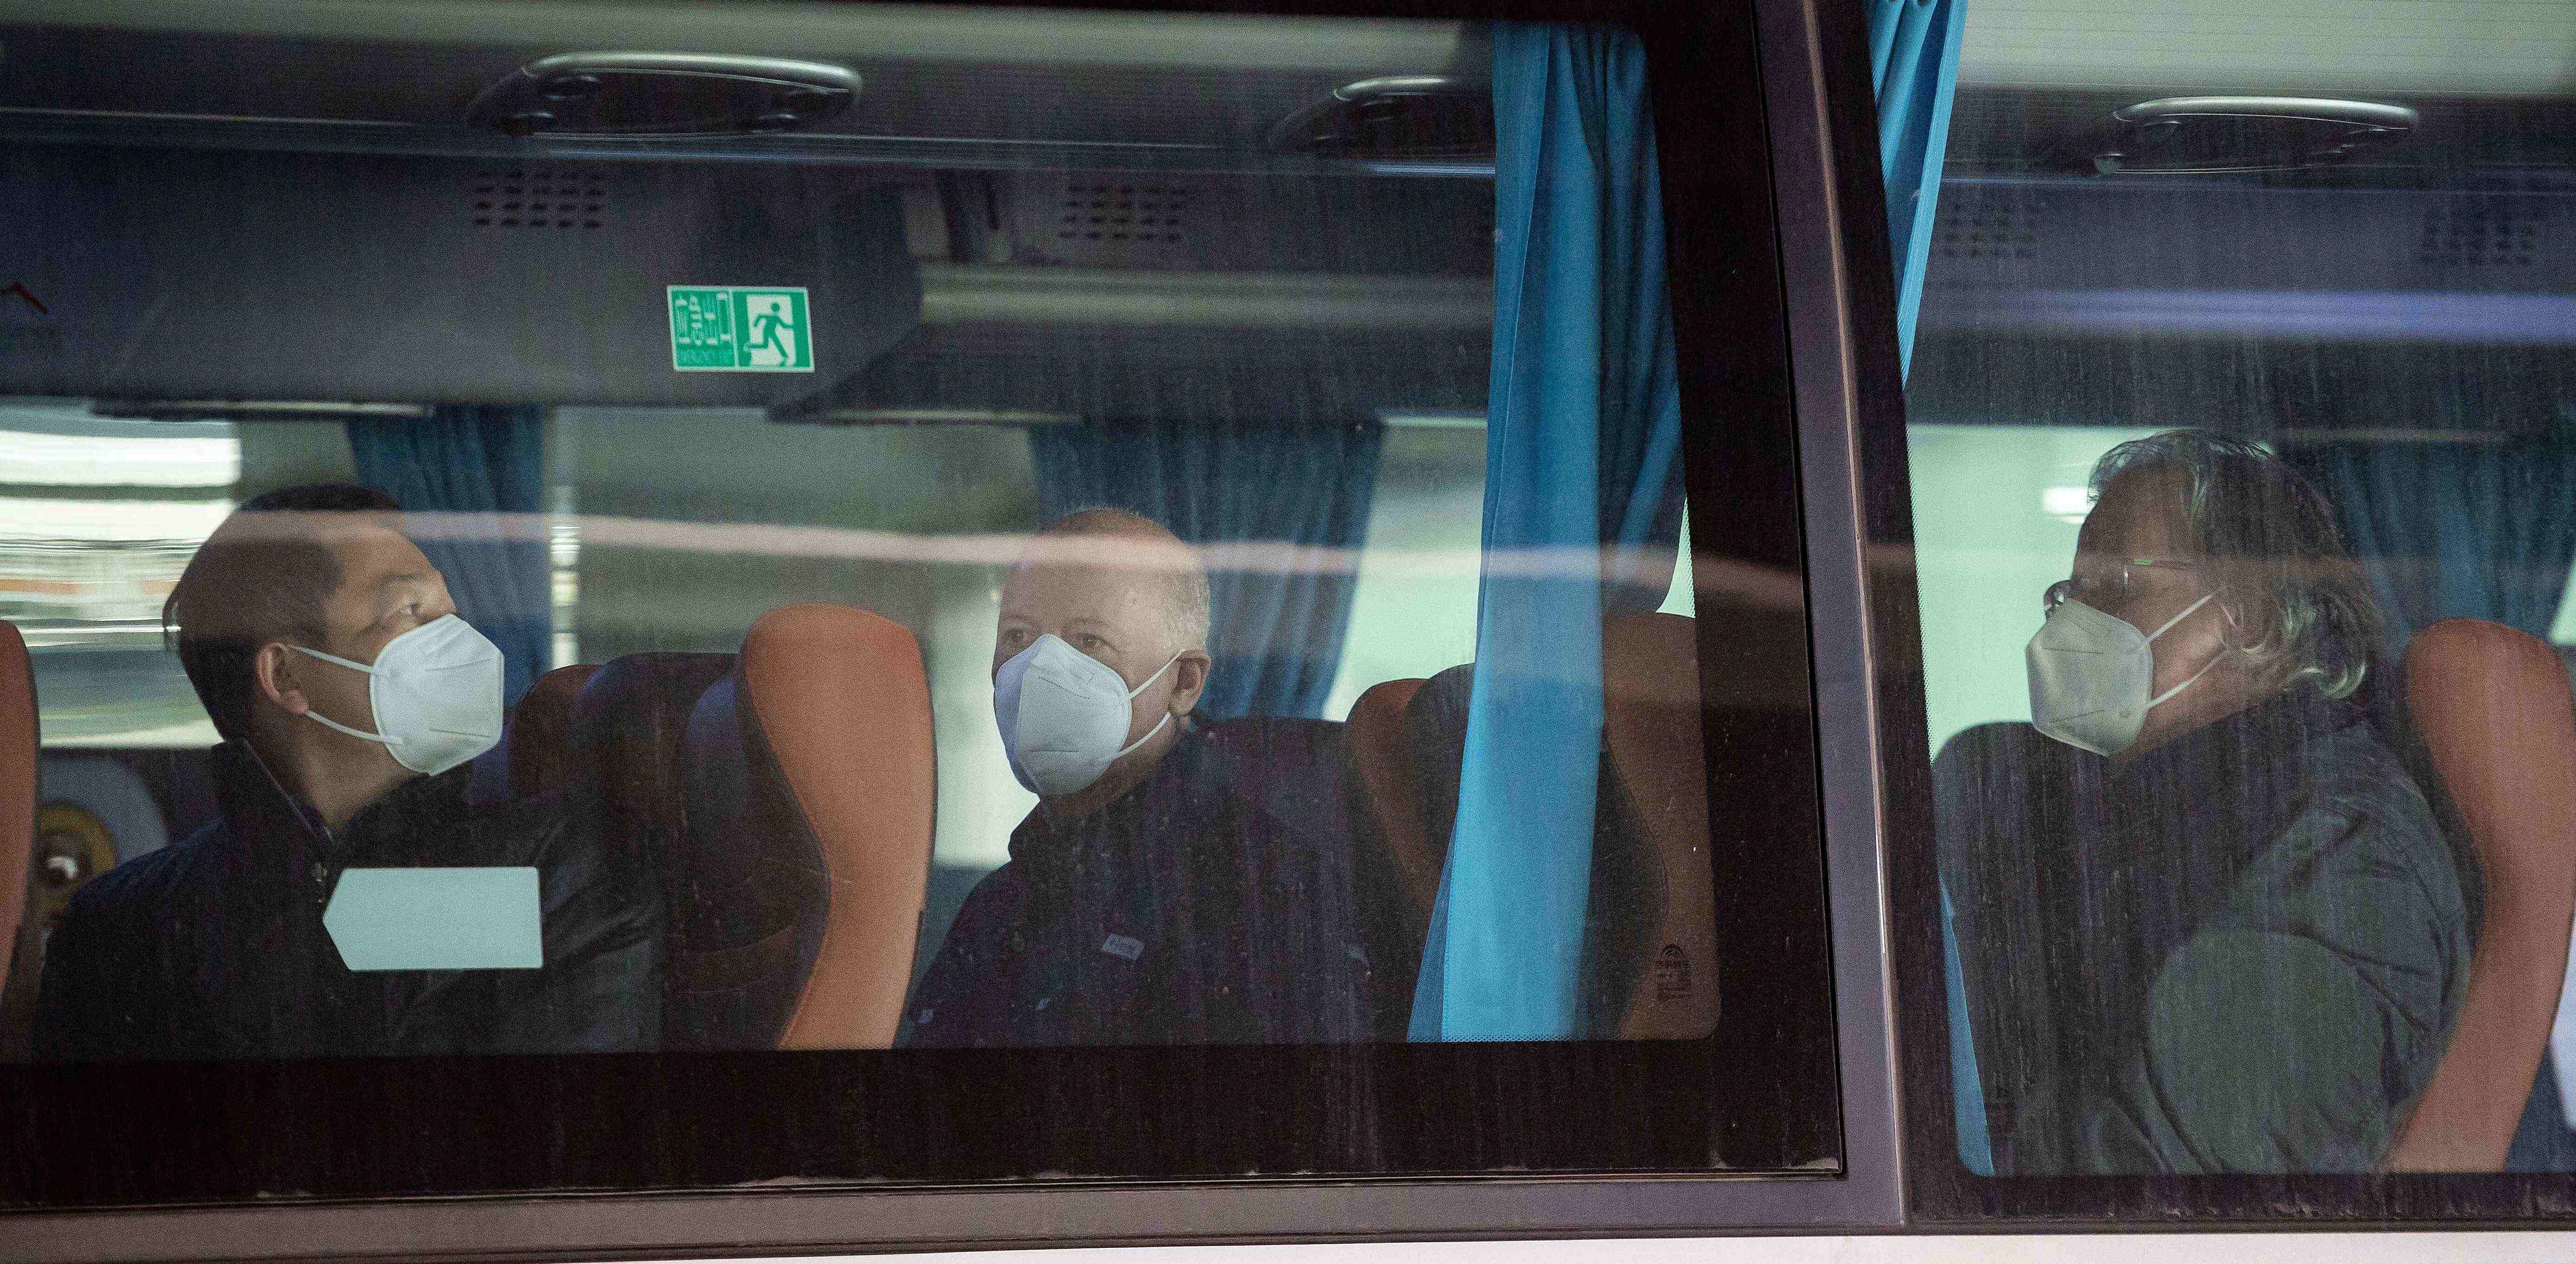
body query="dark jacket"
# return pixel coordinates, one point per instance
(1182, 913)
(2241, 953)
(215, 948)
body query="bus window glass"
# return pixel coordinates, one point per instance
(2237, 431)
(1001, 544)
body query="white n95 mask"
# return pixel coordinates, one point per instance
(2092, 675)
(1064, 715)
(436, 691)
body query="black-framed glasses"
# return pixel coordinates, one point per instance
(2057, 594)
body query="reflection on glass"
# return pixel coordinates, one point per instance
(2239, 474)
(919, 576)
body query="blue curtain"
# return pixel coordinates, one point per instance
(1914, 58)
(471, 464)
(1275, 635)
(1582, 435)
(2455, 530)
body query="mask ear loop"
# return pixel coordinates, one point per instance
(1130, 748)
(334, 725)
(2206, 668)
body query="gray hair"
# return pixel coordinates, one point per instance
(1185, 602)
(2270, 534)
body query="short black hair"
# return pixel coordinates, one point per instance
(264, 574)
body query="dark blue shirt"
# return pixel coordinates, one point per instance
(2240, 953)
(1184, 912)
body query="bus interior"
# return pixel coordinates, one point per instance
(1034, 251)
(2348, 249)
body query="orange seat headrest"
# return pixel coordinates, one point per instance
(2491, 706)
(841, 699)
(17, 783)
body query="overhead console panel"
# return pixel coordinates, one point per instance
(230, 275)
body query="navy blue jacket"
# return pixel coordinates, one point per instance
(214, 948)
(1184, 912)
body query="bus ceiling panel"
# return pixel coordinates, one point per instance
(1014, 83)
(1997, 131)
(2496, 47)
(196, 275)
(1285, 376)
(854, 33)
(206, 275)
(2266, 389)
(2112, 258)
(1359, 229)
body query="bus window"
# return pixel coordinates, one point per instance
(2236, 434)
(1040, 548)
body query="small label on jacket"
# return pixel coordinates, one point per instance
(1122, 946)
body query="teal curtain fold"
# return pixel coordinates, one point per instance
(1582, 501)
(1914, 61)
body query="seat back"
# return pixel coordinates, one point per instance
(630, 722)
(1656, 767)
(541, 756)
(811, 775)
(1651, 948)
(1375, 732)
(17, 786)
(1307, 775)
(2491, 707)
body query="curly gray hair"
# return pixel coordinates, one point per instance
(2266, 531)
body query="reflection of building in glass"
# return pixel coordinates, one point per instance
(97, 518)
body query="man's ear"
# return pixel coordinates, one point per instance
(273, 672)
(1189, 680)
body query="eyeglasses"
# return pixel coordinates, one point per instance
(2062, 591)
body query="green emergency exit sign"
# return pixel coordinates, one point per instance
(739, 329)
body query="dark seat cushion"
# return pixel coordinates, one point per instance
(1300, 770)
(748, 910)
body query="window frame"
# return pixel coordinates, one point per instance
(1819, 365)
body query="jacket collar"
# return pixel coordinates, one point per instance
(275, 832)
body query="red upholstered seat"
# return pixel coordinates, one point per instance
(842, 704)
(1651, 726)
(1653, 947)
(784, 794)
(1376, 734)
(2491, 706)
(17, 783)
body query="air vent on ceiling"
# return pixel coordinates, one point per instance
(555, 198)
(2484, 232)
(1089, 220)
(662, 94)
(1988, 223)
(1121, 210)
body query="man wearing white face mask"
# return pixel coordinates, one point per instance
(2216, 928)
(1146, 899)
(351, 698)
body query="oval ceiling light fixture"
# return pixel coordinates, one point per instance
(1394, 117)
(662, 94)
(2222, 135)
